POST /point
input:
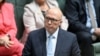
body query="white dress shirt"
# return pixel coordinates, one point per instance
(54, 40)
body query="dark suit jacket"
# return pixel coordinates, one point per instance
(36, 44)
(75, 11)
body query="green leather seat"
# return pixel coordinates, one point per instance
(96, 49)
(61, 4)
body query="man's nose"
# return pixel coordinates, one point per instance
(49, 22)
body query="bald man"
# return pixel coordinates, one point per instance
(51, 40)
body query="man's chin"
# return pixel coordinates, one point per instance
(51, 31)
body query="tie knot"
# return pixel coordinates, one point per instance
(87, 0)
(51, 37)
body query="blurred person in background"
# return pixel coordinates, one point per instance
(9, 45)
(80, 14)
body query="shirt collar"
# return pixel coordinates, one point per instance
(55, 34)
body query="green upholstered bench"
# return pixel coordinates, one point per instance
(96, 49)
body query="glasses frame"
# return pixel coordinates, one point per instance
(53, 20)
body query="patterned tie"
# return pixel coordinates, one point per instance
(50, 46)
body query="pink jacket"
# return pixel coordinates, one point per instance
(8, 26)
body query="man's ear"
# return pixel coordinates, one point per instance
(61, 21)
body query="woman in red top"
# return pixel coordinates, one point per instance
(9, 45)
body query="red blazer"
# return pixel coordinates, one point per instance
(8, 26)
(7, 23)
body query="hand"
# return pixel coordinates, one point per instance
(1, 42)
(6, 42)
(97, 32)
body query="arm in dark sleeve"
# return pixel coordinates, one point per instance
(74, 13)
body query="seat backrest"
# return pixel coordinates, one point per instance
(61, 4)
(96, 49)
(19, 10)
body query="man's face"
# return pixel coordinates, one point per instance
(52, 22)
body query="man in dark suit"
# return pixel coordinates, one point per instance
(80, 23)
(63, 43)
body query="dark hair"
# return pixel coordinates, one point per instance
(3, 1)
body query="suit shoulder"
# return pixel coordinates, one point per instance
(8, 7)
(68, 36)
(35, 32)
(68, 33)
(8, 4)
(32, 4)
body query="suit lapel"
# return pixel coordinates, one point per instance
(59, 44)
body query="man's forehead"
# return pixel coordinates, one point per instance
(51, 14)
(55, 13)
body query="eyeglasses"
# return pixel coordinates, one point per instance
(51, 19)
